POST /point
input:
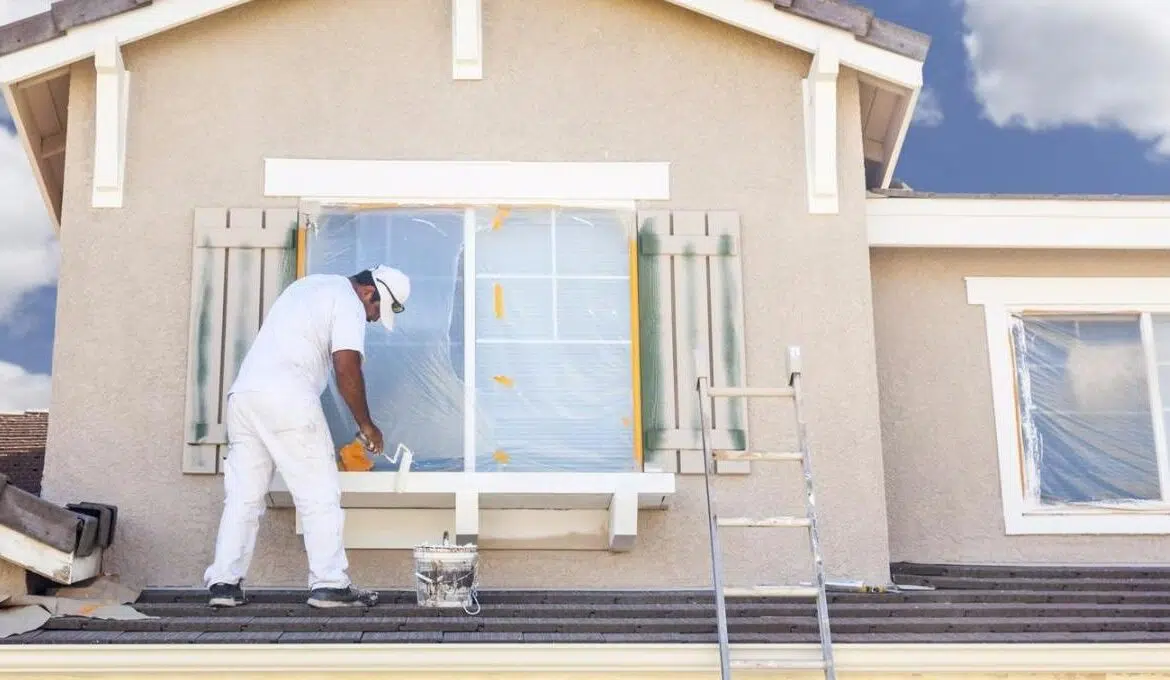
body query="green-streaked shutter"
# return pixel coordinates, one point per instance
(690, 296)
(242, 259)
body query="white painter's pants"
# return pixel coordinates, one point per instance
(290, 432)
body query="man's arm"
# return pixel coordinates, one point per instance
(347, 365)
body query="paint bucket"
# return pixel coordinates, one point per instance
(447, 575)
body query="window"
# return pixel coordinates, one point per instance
(1080, 375)
(515, 352)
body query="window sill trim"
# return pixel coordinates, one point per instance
(497, 510)
(1089, 522)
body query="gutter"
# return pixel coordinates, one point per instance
(298, 660)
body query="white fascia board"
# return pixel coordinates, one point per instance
(762, 18)
(83, 41)
(1080, 292)
(617, 660)
(456, 181)
(1017, 223)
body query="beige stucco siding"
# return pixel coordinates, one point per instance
(589, 80)
(942, 470)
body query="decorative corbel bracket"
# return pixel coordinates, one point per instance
(111, 112)
(467, 39)
(819, 90)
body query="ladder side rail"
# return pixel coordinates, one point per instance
(712, 528)
(713, 532)
(794, 380)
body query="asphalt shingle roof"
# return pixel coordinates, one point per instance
(971, 604)
(64, 15)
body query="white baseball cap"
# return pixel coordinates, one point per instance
(394, 288)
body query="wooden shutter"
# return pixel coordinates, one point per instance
(690, 297)
(242, 259)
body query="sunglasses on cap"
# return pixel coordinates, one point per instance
(395, 306)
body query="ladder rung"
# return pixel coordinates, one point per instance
(771, 591)
(806, 664)
(759, 455)
(750, 392)
(791, 522)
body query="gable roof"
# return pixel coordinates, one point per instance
(35, 54)
(65, 15)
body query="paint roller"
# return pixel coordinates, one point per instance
(354, 458)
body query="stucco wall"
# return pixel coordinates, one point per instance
(942, 470)
(590, 80)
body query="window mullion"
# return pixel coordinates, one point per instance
(553, 268)
(470, 289)
(1156, 407)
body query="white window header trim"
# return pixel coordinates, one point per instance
(431, 182)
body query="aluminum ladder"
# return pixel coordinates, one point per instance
(809, 521)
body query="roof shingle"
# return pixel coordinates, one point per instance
(970, 604)
(23, 432)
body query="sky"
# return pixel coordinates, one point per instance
(1021, 96)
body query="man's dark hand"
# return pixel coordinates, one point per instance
(373, 437)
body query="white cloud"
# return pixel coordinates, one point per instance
(12, 10)
(1044, 64)
(28, 248)
(928, 112)
(21, 390)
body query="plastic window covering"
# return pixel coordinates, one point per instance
(1090, 431)
(551, 388)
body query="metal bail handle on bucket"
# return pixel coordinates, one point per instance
(447, 575)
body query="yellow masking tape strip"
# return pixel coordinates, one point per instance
(636, 351)
(302, 231)
(498, 220)
(498, 294)
(503, 380)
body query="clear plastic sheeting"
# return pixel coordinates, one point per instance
(414, 376)
(551, 368)
(554, 369)
(1085, 408)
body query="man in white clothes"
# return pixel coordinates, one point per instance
(274, 419)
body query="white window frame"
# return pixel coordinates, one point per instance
(1001, 297)
(579, 499)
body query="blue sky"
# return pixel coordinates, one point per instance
(1010, 107)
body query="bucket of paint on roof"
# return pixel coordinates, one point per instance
(447, 575)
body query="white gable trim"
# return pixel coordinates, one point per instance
(1068, 223)
(755, 16)
(83, 41)
(762, 18)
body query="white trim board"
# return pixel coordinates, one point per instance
(763, 19)
(121, 29)
(525, 509)
(545, 659)
(999, 297)
(755, 16)
(462, 181)
(1018, 223)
